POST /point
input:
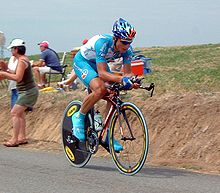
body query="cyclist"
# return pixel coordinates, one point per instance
(90, 65)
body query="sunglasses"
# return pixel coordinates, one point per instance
(125, 42)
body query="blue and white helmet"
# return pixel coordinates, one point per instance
(123, 30)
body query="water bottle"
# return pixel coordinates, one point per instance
(98, 121)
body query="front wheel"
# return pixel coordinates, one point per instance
(130, 129)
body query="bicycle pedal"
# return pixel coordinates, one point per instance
(79, 145)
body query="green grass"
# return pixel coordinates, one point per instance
(187, 68)
(177, 69)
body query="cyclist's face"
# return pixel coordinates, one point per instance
(122, 46)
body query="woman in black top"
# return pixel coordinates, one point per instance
(28, 92)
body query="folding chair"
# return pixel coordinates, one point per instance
(62, 73)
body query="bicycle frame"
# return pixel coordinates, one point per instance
(115, 101)
(117, 126)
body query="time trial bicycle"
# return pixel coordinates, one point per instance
(125, 123)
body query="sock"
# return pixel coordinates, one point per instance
(82, 115)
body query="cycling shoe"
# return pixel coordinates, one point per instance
(117, 146)
(78, 126)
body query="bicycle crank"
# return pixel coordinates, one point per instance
(93, 142)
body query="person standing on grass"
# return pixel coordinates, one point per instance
(27, 90)
(73, 76)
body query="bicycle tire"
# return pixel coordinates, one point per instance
(77, 157)
(129, 161)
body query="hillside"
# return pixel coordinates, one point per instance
(184, 129)
(183, 116)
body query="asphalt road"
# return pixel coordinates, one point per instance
(29, 171)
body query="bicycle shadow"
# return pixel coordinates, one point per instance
(101, 168)
(162, 172)
(147, 171)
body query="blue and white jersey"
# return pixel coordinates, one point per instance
(100, 48)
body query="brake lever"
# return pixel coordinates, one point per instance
(149, 88)
(137, 80)
(152, 88)
(114, 86)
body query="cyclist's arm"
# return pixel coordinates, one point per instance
(101, 47)
(127, 70)
(105, 75)
(127, 66)
(127, 57)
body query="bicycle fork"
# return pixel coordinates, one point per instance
(123, 137)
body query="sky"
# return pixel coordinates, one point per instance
(65, 23)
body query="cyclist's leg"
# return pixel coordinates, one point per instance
(117, 146)
(90, 78)
(98, 91)
(78, 125)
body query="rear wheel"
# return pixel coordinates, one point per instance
(135, 143)
(75, 151)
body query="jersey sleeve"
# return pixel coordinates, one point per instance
(101, 49)
(43, 56)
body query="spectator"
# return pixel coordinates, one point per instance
(49, 62)
(27, 92)
(11, 67)
(72, 79)
(84, 41)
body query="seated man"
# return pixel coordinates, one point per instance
(90, 65)
(49, 62)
